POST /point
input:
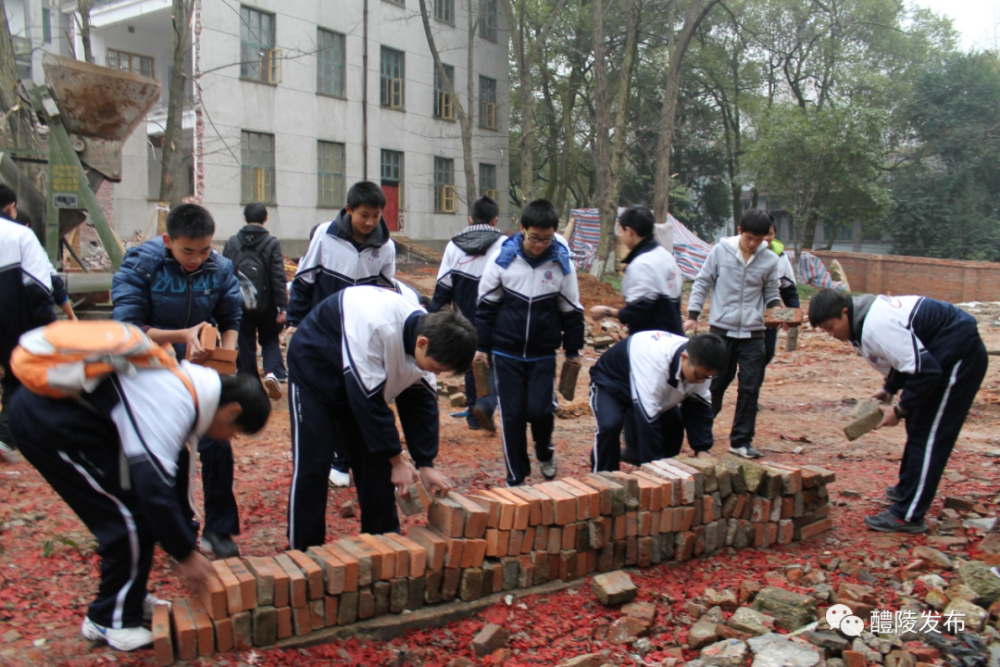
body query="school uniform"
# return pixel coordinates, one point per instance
(651, 286)
(462, 266)
(78, 447)
(639, 382)
(350, 357)
(335, 261)
(527, 309)
(25, 301)
(789, 296)
(931, 351)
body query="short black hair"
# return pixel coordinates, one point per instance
(826, 305)
(756, 221)
(7, 195)
(707, 351)
(638, 218)
(451, 339)
(540, 214)
(365, 193)
(249, 393)
(190, 221)
(484, 210)
(255, 212)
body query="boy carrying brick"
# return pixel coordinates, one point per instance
(353, 249)
(787, 287)
(931, 351)
(170, 287)
(659, 382)
(352, 355)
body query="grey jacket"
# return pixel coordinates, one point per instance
(739, 292)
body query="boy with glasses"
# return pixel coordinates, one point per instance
(659, 383)
(529, 305)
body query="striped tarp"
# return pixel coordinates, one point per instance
(586, 236)
(812, 271)
(689, 250)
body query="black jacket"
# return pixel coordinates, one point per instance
(256, 237)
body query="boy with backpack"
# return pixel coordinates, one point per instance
(787, 287)
(116, 450)
(353, 249)
(260, 267)
(170, 287)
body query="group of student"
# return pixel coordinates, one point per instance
(362, 340)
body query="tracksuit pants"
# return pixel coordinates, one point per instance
(87, 477)
(647, 440)
(745, 356)
(525, 395)
(222, 516)
(931, 433)
(9, 385)
(260, 327)
(319, 425)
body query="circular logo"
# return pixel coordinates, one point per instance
(836, 614)
(852, 626)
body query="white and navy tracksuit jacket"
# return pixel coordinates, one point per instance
(640, 380)
(652, 289)
(462, 267)
(932, 351)
(78, 446)
(334, 262)
(348, 360)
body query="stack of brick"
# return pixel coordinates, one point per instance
(500, 540)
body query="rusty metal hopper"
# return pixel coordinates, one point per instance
(100, 107)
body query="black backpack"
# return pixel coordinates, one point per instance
(251, 269)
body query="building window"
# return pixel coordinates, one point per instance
(391, 168)
(488, 20)
(488, 181)
(330, 170)
(393, 71)
(443, 106)
(841, 232)
(444, 10)
(330, 70)
(488, 103)
(258, 168)
(259, 61)
(46, 25)
(130, 62)
(444, 185)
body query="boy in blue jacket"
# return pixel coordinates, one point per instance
(529, 305)
(171, 287)
(353, 249)
(930, 350)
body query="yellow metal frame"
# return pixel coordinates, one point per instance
(275, 66)
(448, 197)
(445, 106)
(490, 115)
(396, 93)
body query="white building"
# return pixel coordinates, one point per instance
(292, 101)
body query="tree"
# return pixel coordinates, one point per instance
(84, 7)
(173, 179)
(17, 127)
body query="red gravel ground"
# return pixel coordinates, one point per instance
(48, 566)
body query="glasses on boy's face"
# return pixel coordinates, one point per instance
(539, 240)
(698, 377)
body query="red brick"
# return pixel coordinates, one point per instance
(582, 498)
(312, 572)
(854, 659)
(203, 627)
(534, 501)
(334, 572)
(631, 523)
(262, 570)
(708, 510)
(541, 538)
(816, 528)
(364, 550)
(770, 533)
(529, 540)
(297, 596)
(301, 620)
(330, 609)
(507, 508)
(761, 509)
(667, 520)
(787, 507)
(223, 634)
(248, 584)
(495, 539)
(185, 633)
(402, 555)
(618, 527)
(758, 535)
(569, 537)
(684, 546)
(492, 507)
(317, 614)
(476, 517)
(645, 551)
(284, 622)
(522, 509)
(417, 554)
(213, 596)
(163, 645)
(810, 478)
(548, 509)
(516, 542)
(526, 578)
(452, 550)
(447, 516)
(351, 567)
(659, 490)
(604, 489)
(564, 504)
(433, 543)
(388, 554)
(786, 531)
(555, 540)
(473, 553)
(234, 590)
(450, 582)
(366, 603)
(570, 568)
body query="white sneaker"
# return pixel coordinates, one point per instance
(122, 639)
(273, 386)
(548, 468)
(747, 452)
(338, 478)
(148, 603)
(8, 453)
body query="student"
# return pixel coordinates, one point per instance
(353, 249)
(652, 282)
(786, 288)
(351, 356)
(171, 287)
(529, 305)
(932, 352)
(77, 446)
(743, 277)
(462, 267)
(659, 382)
(60, 295)
(25, 299)
(261, 253)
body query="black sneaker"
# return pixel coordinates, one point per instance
(893, 494)
(747, 452)
(473, 422)
(221, 546)
(629, 457)
(887, 522)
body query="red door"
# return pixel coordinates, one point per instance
(391, 211)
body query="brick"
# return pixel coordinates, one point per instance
(203, 627)
(347, 610)
(264, 621)
(684, 483)
(522, 509)
(496, 542)
(645, 558)
(742, 501)
(297, 596)
(667, 520)
(333, 571)
(284, 615)
(791, 477)
(814, 529)
(569, 566)
(388, 555)
(684, 546)
(317, 613)
(568, 537)
(493, 576)
(555, 540)
(698, 506)
(449, 583)
(248, 584)
(263, 573)
(416, 592)
(540, 560)
(604, 489)
(492, 507)
(582, 499)
(592, 493)
(416, 500)
(705, 466)
(810, 478)
(401, 555)
(417, 557)
(564, 503)
(223, 634)
(351, 570)
(362, 557)
(242, 631)
(526, 574)
(515, 542)
(378, 558)
(631, 524)
(535, 502)
(213, 596)
(761, 509)
(869, 415)
(163, 645)
(434, 580)
(619, 525)
(489, 639)
(234, 590)
(616, 490)
(301, 620)
(381, 590)
(628, 483)
(548, 509)
(476, 517)
(854, 659)
(468, 554)
(507, 508)
(471, 585)
(434, 544)
(313, 573)
(511, 572)
(447, 516)
(366, 602)
(657, 490)
(478, 548)
(399, 594)
(529, 539)
(786, 532)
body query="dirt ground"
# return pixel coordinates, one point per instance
(48, 565)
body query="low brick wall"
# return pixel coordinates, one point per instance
(498, 540)
(950, 280)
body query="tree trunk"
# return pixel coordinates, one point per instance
(16, 127)
(173, 180)
(84, 7)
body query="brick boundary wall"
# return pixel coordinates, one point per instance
(498, 540)
(951, 280)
